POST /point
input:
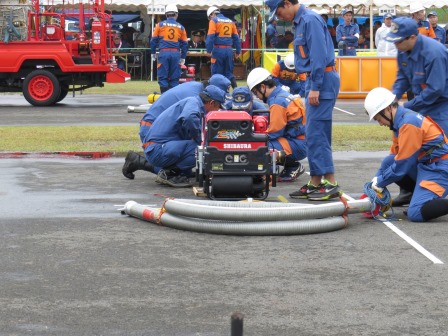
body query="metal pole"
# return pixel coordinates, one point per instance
(152, 30)
(236, 324)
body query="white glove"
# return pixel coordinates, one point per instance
(153, 57)
(286, 88)
(375, 185)
(182, 61)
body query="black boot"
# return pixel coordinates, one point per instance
(434, 209)
(407, 186)
(134, 162)
(233, 83)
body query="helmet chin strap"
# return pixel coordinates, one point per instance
(265, 99)
(390, 120)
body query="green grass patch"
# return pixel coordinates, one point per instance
(120, 139)
(361, 138)
(134, 87)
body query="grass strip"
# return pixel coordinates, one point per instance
(120, 139)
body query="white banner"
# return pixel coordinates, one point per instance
(157, 10)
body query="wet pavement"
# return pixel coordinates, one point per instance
(73, 265)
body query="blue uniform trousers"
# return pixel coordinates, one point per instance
(435, 173)
(224, 62)
(179, 153)
(298, 147)
(168, 69)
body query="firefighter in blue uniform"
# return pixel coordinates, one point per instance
(284, 73)
(419, 150)
(171, 142)
(347, 35)
(171, 39)
(134, 161)
(221, 37)
(314, 56)
(439, 31)
(423, 68)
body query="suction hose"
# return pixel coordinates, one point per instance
(243, 218)
(139, 109)
(261, 213)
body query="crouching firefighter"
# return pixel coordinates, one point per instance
(419, 150)
(170, 144)
(286, 129)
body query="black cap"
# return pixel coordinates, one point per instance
(196, 33)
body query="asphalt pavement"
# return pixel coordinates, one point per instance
(72, 264)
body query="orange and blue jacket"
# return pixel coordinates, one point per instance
(222, 32)
(169, 34)
(286, 118)
(284, 76)
(424, 28)
(416, 139)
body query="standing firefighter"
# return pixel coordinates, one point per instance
(171, 39)
(419, 150)
(221, 37)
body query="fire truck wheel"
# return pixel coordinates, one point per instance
(63, 94)
(41, 88)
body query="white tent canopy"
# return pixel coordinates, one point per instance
(403, 4)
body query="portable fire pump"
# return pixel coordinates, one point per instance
(235, 161)
(42, 60)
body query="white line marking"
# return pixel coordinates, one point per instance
(408, 239)
(337, 108)
(412, 242)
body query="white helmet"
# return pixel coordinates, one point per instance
(289, 61)
(257, 76)
(415, 7)
(171, 9)
(377, 100)
(211, 10)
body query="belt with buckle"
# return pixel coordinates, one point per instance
(219, 46)
(327, 69)
(169, 49)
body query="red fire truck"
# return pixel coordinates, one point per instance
(39, 58)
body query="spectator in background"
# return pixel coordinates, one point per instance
(127, 35)
(347, 35)
(384, 47)
(335, 21)
(285, 42)
(271, 33)
(439, 31)
(364, 30)
(194, 44)
(376, 26)
(362, 42)
(120, 46)
(331, 29)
